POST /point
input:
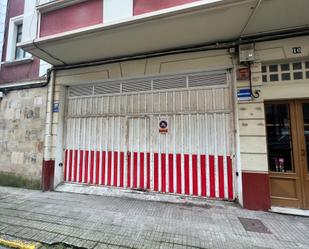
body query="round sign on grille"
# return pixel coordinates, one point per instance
(163, 125)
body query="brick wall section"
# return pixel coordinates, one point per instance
(21, 72)
(80, 15)
(22, 124)
(145, 6)
(14, 8)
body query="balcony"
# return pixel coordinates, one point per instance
(71, 41)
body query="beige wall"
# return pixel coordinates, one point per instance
(252, 128)
(22, 124)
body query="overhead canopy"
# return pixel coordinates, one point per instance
(199, 23)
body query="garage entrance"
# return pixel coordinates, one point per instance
(170, 134)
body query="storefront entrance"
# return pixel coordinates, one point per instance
(287, 124)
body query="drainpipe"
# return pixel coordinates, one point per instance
(48, 163)
(50, 113)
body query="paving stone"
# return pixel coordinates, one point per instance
(111, 222)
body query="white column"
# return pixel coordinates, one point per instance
(114, 10)
(30, 21)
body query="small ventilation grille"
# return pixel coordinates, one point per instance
(151, 84)
(77, 91)
(199, 80)
(136, 86)
(112, 88)
(170, 83)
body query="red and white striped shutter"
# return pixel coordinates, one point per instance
(113, 138)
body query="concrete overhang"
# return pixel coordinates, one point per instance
(194, 24)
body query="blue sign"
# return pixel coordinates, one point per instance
(244, 94)
(56, 107)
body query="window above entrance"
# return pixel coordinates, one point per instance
(298, 70)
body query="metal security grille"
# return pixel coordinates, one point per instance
(114, 139)
(151, 84)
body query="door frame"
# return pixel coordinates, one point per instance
(302, 152)
(298, 160)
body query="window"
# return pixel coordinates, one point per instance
(19, 53)
(14, 37)
(285, 71)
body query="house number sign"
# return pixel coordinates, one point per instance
(296, 50)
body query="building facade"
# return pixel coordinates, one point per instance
(23, 100)
(191, 98)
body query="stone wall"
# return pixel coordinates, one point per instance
(22, 124)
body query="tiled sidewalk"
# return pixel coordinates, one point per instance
(111, 222)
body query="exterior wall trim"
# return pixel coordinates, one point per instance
(17, 62)
(210, 69)
(12, 37)
(210, 5)
(21, 84)
(47, 7)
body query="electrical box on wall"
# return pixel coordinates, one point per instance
(246, 53)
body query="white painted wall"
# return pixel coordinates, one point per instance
(30, 28)
(39, 2)
(44, 66)
(3, 5)
(114, 10)
(30, 21)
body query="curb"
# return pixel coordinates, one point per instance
(18, 244)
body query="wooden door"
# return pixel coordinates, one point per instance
(287, 125)
(303, 130)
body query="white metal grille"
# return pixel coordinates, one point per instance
(151, 84)
(199, 80)
(170, 83)
(115, 139)
(138, 85)
(81, 91)
(106, 89)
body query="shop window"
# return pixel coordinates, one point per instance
(279, 139)
(285, 71)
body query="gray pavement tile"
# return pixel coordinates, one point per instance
(110, 222)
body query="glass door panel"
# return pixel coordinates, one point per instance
(279, 139)
(306, 130)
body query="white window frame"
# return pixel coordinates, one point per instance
(11, 41)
